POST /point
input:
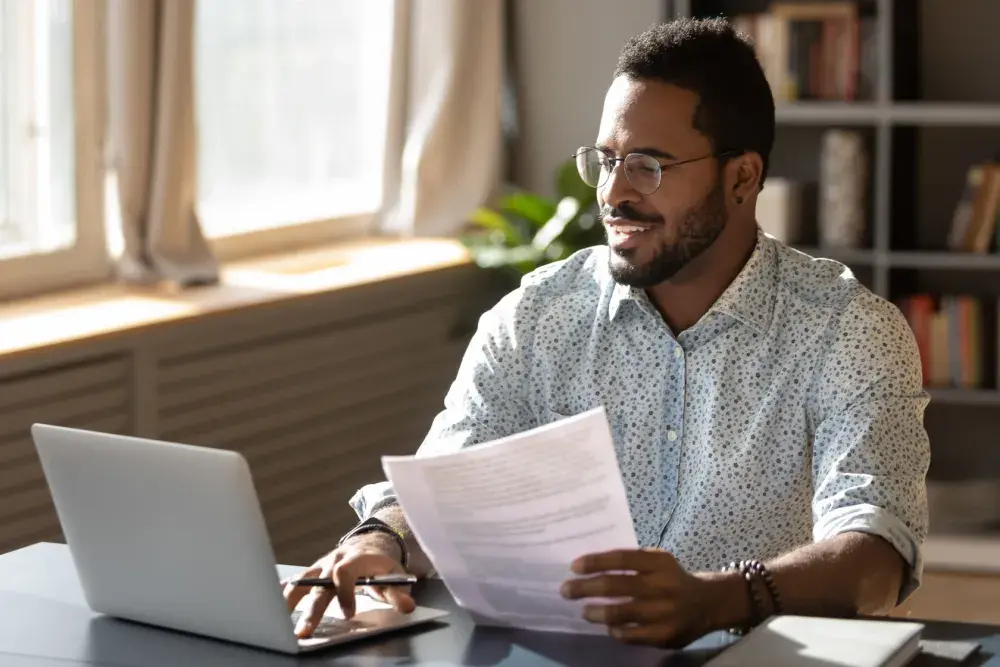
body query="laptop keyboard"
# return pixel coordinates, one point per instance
(330, 626)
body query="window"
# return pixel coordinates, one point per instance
(36, 130)
(292, 104)
(51, 230)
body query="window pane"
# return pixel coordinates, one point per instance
(291, 101)
(37, 192)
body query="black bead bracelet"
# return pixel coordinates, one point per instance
(750, 570)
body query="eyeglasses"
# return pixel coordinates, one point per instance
(644, 172)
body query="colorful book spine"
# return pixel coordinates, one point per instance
(949, 334)
(814, 50)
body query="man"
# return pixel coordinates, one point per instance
(764, 404)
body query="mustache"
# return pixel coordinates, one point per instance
(626, 212)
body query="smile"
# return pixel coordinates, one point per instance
(623, 235)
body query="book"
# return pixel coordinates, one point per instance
(984, 211)
(950, 334)
(962, 217)
(807, 640)
(814, 50)
(974, 222)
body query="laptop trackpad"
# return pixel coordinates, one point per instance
(371, 617)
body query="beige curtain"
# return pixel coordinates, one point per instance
(152, 140)
(449, 155)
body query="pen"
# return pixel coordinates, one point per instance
(380, 580)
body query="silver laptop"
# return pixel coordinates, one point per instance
(173, 536)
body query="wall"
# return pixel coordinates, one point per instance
(566, 52)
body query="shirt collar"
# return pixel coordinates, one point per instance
(619, 295)
(749, 298)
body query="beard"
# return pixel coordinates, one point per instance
(698, 229)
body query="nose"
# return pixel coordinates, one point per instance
(617, 190)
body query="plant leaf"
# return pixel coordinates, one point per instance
(491, 220)
(531, 207)
(566, 212)
(585, 230)
(569, 184)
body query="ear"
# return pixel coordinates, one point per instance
(746, 171)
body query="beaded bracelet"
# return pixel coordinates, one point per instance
(772, 588)
(750, 570)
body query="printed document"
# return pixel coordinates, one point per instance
(502, 521)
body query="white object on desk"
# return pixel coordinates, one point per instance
(173, 536)
(827, 642)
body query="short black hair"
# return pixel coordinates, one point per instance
(711, 59)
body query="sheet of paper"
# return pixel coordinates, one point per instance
(501, 522)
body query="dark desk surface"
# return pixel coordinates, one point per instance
(44, 622)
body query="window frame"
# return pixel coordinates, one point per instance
(87, 260)
(350, 223)
(295, 236)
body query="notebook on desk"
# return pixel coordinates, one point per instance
(824, 642)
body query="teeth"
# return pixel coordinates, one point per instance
(629, 229)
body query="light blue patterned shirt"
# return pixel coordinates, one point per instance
(791, 412)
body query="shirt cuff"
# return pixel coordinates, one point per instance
(864, 518)
(371, 498)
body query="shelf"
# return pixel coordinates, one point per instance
(956, 114)
(944, 113)
(849, 256)
(909, 259)
(957, 396)
(828, 113)
(953, 261)
(963, 553)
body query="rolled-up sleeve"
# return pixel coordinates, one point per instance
(484, 402)
(871, 450)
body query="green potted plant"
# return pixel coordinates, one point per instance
(524, 231)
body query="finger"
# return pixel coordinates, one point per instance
(659, 634)
(643, 612)
(635, 560)
(606, 586)
(319, 600)
(294, 594)
(344, 576)
(380, 593)
(398, 597)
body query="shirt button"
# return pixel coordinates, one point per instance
(678, 352)
(671, 435)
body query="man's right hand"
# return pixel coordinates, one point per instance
(363, 556)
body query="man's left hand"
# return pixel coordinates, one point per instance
(655, 601)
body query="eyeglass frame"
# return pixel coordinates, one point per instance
(615, 161)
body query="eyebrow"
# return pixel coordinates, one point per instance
(646, 150)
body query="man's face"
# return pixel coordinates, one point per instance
(653, 236)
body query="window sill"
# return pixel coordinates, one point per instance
(34, 324)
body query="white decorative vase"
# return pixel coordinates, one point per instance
(843, 180)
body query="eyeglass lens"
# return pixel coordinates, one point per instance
(642, 171)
